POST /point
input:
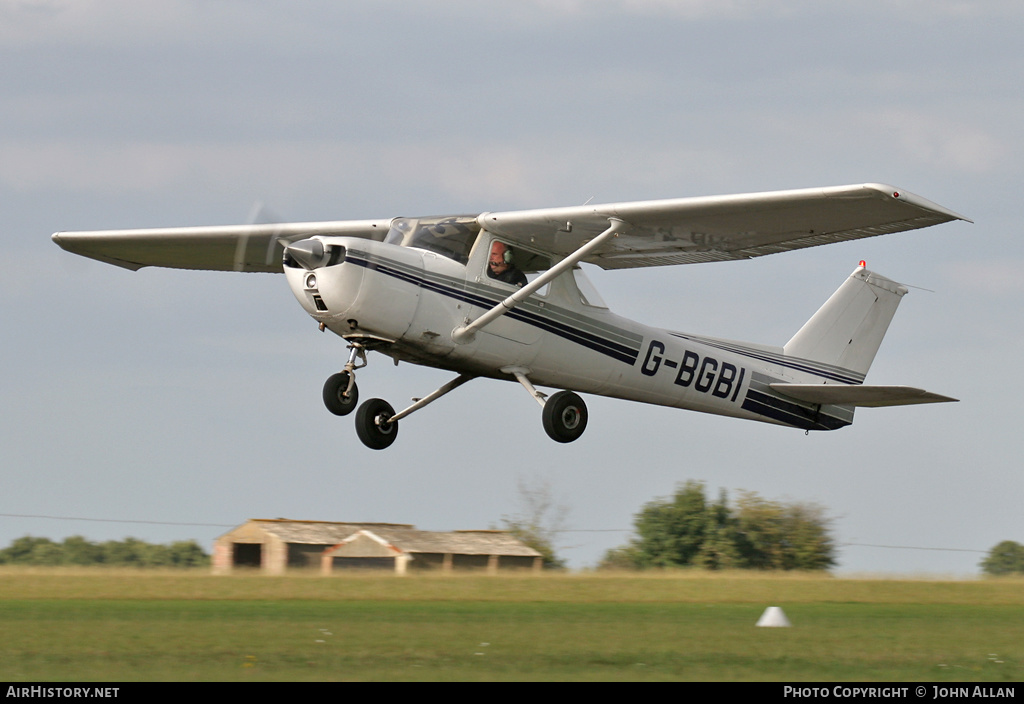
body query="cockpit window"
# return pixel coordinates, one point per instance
(588, 294)
(451, 236)
(514, 265)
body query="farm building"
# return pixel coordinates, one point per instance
(274, 545)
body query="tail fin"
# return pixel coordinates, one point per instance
(849, 328)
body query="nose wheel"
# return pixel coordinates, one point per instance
(341, 395)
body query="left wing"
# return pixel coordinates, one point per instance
(721, 228)
(225, 248)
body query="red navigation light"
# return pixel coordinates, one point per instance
(863, 264)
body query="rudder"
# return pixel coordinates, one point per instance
(848, 329)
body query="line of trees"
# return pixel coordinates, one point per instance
(129, 552)
(1006, 558)
(688, 530)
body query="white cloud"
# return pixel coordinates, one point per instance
(750, 9)
(685, 9)
(996, 277)
(34, 22)
(166, 22)
(119, 23)
(494, 173)
(938, 141)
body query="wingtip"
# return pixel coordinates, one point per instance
(916, 200)
(58, 239)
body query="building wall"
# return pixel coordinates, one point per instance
(251, 545)
(275, 555)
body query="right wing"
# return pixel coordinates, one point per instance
(224, 248)
(720, 228)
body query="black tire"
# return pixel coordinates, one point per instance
(334, 398)
(565, 416)
(372, 424)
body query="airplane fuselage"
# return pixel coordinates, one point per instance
(409, 301)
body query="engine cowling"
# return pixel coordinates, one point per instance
(355, 286)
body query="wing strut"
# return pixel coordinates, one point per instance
(465, 333)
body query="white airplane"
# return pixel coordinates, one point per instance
(501, 295)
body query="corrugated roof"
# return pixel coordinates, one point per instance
(455, 542)
(403, 536)
(315, 532)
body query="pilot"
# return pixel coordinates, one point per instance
(500, 266)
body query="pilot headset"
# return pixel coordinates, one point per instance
(507, 255)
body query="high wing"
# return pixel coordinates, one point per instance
(652, 233)
(225, 248)
(721, 228)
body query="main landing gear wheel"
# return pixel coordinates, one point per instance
(334, 394)
(373, 425)
(565, 416)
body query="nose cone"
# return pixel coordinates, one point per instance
(310, 254)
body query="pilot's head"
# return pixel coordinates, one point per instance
(501, 258)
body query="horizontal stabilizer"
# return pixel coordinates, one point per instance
(859, 395)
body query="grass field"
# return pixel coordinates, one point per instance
(100, 625)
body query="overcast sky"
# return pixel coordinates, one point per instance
(194, 397)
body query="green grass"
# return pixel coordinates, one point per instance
(126, 625)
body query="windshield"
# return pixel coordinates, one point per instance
(451, 236)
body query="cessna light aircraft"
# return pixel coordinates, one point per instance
(501, 295)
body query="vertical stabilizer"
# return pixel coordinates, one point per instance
(849, 328)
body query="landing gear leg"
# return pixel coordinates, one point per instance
(564, 413)
(377, 422)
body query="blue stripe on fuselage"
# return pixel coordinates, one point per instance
(789, 413)
(827, 371)
(615, 350)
